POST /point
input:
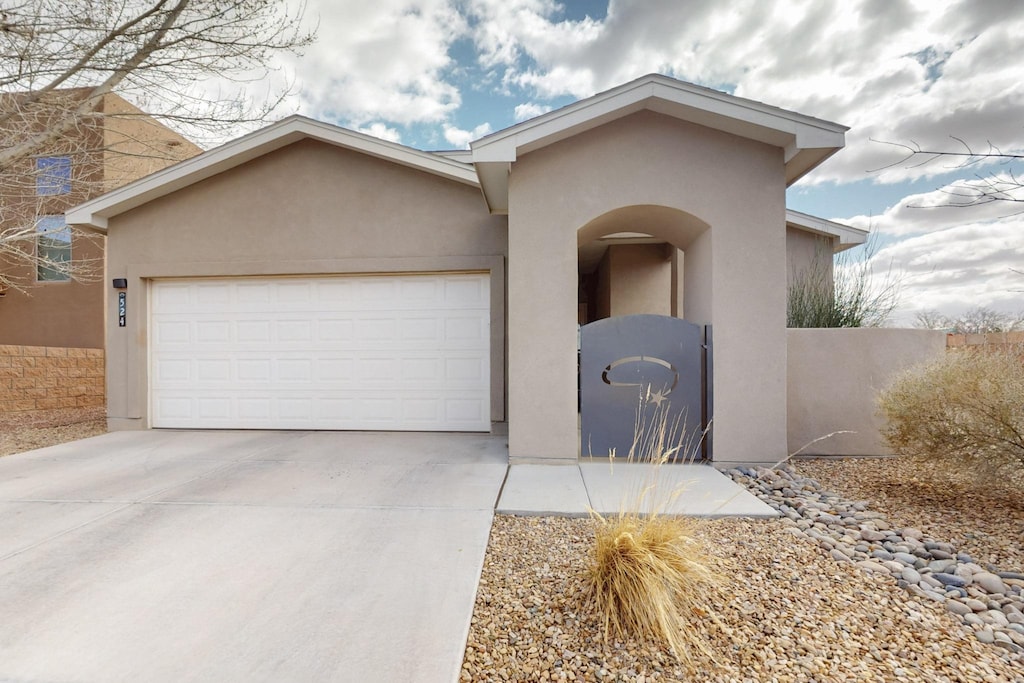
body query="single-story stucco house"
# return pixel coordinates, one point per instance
(305, 276)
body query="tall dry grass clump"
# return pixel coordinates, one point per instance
(966, 407)
(650, 578)
(650, 575)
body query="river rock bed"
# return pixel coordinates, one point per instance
(988, 599)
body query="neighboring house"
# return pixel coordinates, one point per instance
(118, 144)
(309, 277)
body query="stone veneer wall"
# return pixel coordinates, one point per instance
(46, 378)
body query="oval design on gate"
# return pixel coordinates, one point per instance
(640, 359)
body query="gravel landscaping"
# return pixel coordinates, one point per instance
(820, 595)
(25, 431)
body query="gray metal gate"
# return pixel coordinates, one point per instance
(645, 382)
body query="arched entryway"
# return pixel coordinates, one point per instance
(644, 274)
(644, 259)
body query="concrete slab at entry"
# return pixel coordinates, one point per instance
(573, 490)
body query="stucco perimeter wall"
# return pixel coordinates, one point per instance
(736, 186)
(47, 378)
(307, 209)
(834, 378)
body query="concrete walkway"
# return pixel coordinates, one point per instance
(574, 490)
(284, 556)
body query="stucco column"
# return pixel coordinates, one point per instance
(542, 309)
(749, 284)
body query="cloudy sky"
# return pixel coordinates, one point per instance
(435, 74)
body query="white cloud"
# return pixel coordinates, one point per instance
(894, 70)
(944, 207)
(460, 139)
(383, 61)
(379, 130)
(528, 110)
(957, 268)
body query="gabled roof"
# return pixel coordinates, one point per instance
(806, 141)
(848, 235)
(95, 213)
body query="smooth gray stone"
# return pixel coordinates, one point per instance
(957, 607)
(839, 557)
(990, 582)
(941, 566)
(975, 605)
(949, 579)
(910, 575)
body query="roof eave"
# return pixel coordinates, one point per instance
(847, 235)
(95, 212)
(806, 141)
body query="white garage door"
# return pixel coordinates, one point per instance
(396, 352)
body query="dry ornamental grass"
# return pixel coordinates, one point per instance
(649, 576)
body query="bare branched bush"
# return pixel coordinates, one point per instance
(110, 89)
(977, 320)
(651, 576)
(965, 408)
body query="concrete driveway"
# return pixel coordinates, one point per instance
(244, 556)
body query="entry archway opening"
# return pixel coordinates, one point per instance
(644, 259)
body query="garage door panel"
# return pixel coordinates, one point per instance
(375, 352)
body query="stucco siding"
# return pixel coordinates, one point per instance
(640, 279)
(806, 251)
(307, 209)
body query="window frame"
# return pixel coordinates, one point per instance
(60, 239)
(53, 176)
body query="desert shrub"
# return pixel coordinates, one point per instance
(650, 575)
(846, 292)
(967, 406)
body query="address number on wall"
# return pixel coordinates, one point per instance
(122, 308)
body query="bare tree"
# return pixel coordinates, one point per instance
(977, 320)
(984, 188)
(105, 85)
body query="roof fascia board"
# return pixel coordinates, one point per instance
(669, 96)
(251, 146)
(848, 235)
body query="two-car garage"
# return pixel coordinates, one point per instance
(374, 352)
(305, 277)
